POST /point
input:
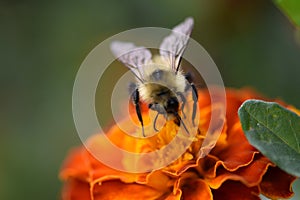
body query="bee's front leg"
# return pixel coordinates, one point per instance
(160, 111)
(183, 99)
(135, 95)
(189, 79)
(195, 100)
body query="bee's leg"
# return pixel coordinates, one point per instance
(188, 77)
(136, 101)
(131, 88)
(159, 109)
(179, 121)
(195, 100)
(154, 123)
(183, 99)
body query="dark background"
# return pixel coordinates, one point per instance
(42, 44)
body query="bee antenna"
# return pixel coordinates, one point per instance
(180, 120)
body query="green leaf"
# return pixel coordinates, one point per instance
(274, 131)
(291, 8)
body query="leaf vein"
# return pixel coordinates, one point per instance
(269, 129)
(295, 135)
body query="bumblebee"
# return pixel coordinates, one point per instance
(162, 85)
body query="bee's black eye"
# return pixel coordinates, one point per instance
(172, 104)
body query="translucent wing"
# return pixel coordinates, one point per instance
(132, 56)
(173, 46)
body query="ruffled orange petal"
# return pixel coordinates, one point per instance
(250, 175)
(109, 190)
(235, 190)
(232, 170)
(237, 152)
(176, 196)
(157, 180)
(189, 186)
(100, 172)
(277, 184)
(76, 165)
(84, 166)
(196, 189)
(232, 152)
(234, 98)
(74, 189)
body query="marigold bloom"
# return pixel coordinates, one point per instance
(233, 169)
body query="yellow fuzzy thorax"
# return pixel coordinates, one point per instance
(169, 80)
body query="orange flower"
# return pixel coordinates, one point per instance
(233, 169)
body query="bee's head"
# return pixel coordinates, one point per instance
(169, 105)
(172, 105)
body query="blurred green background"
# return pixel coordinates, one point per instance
(44, 42)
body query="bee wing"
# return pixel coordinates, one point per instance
(132, 56)
(173, 46)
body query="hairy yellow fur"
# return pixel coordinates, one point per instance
(170, 83)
